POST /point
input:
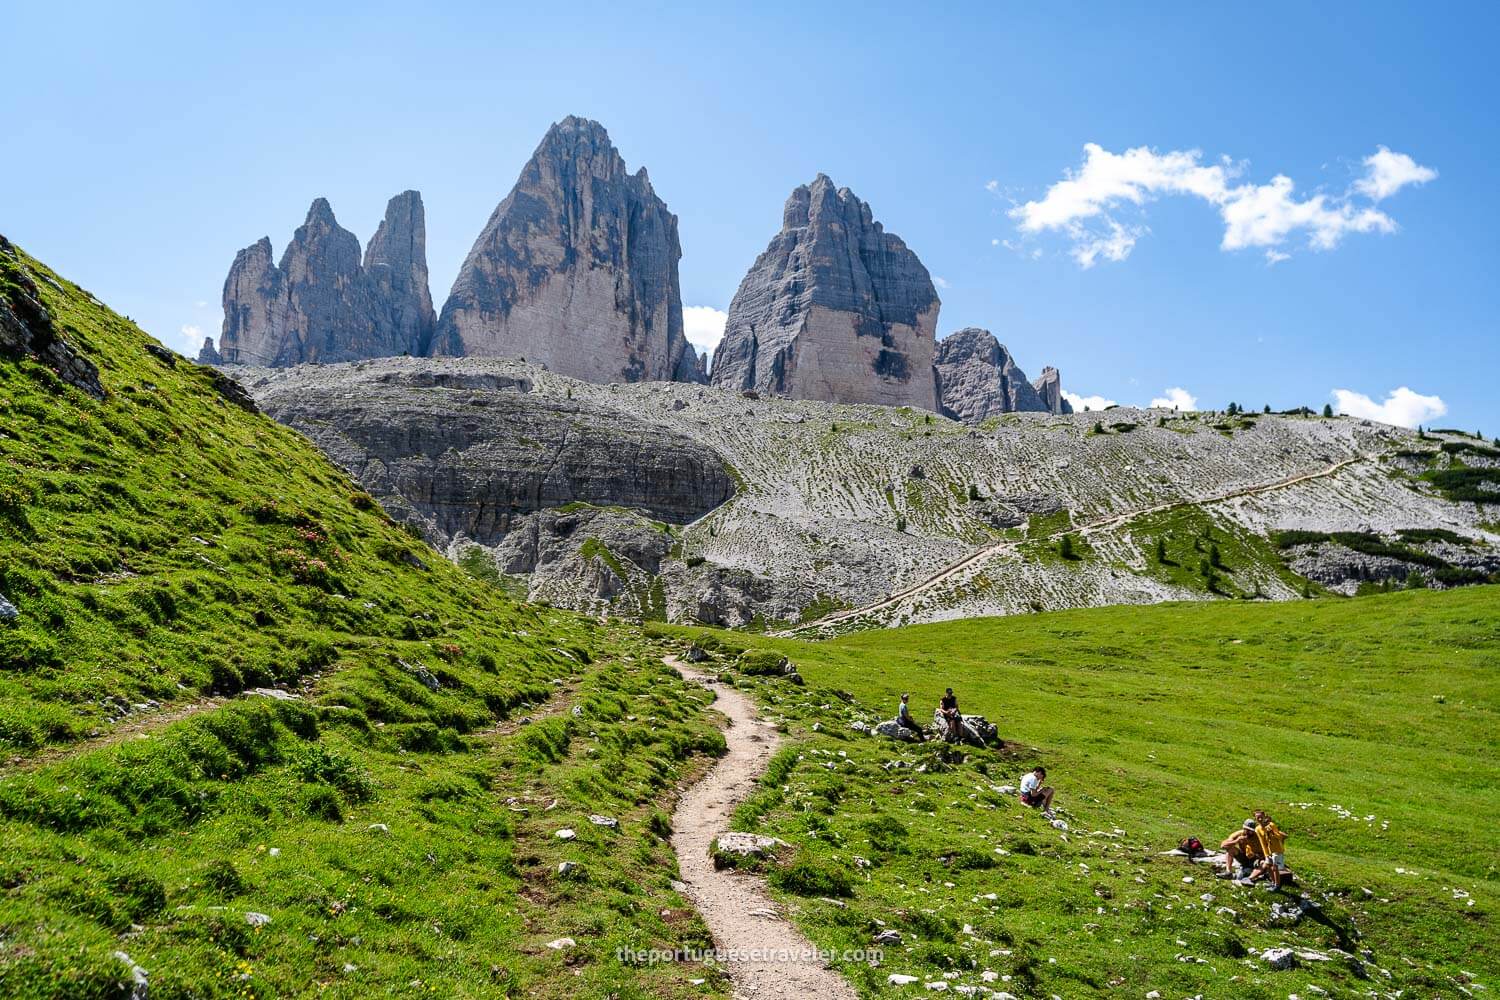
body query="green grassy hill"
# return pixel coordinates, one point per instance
(170, 552)
(1369, 728)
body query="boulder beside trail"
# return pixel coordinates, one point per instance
(977, 731)
(896, 731)
(730, 848)
(8, 611)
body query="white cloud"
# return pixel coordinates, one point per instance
(704, 326)
(992, 186)
(1081, 403)
(940, 282)
(1176, 398)
(1114, 245)
(192, 332)
(1274, 257)
(1402, 407)
(1387, 172)
(1083, 203)
(1265, 215)
(994, 243)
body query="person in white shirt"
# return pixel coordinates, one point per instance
(1034, 793)
(903, 716)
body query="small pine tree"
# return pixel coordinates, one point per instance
(1065, 547)
(1161, 421)
(1161, 551)
(1327, 409)
(973, 492)
(1307, 590)
(1214, 559)
(1098, 427)
(833, 428)
(1416, 580)
(1205, 568)
(900, 524)
(1234, 408)
(1267, 409)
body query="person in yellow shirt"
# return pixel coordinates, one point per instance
(1272, 842)
(1241, 850)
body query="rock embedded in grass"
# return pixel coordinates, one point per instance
(8, 611)
(1279, 959)
(566, 833)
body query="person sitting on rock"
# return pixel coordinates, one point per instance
(903, 716)
(1272, 843)
(1034, 793)
(952, 717)
(1241, 849)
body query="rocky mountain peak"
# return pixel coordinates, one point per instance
(321, 303)
(576, 270)
(835, 309)
(977, 378)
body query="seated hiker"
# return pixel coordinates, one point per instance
(903, 716)
(1272, 844)
(952, 717)
(1241, 849)
(1034, 793)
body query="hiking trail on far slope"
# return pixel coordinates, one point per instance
(983, 554)
(765, 955)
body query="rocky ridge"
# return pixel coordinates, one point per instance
(576, 270)
(27, 330)
(464, 449)
(322, 303)
(837, 506)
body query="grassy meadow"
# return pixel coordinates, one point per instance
(1366, 727)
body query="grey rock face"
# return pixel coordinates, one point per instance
(466, 451)
(576, 270)
(321, 304)
(583, 557)
(1049, 387)
(835, 309)
(396, 271)
(977, 378)
(26, 328)
(208, 354)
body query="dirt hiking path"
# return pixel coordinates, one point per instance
(765, 955)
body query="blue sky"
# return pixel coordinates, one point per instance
(145, 144)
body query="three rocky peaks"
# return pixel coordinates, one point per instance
(576, 270)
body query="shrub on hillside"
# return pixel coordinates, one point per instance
(806, 877)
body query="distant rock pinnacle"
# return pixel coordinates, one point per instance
(575, 270)
(835, 309)
(321, 304)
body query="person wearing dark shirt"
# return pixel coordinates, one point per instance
(951, 715)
